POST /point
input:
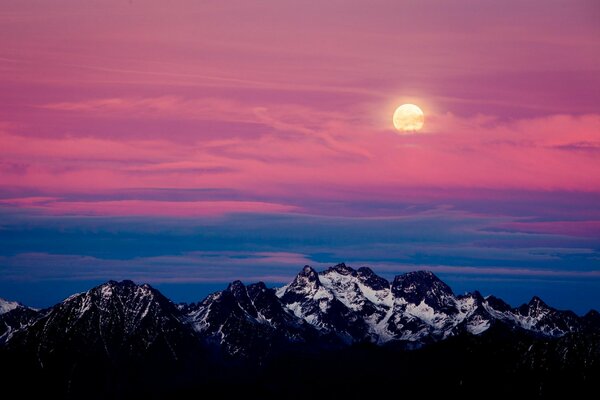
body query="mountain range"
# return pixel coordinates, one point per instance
(122, 340)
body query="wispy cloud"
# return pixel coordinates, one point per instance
(144, 207)
(184, 268)
(321, 157)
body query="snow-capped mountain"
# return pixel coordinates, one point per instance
(116, 338)
(536, 316)
(327, 302)
(358, 306)
(116, 319)
(336, 307)
(14, 316)
(247, 320)
(123, 340)
(6, 306)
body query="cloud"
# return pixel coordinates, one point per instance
(194, 116)
(224, 266)
(431, 237)
(468, 250)
(331, 159)
(189, 267)
(153, 208)
(590, 228)
(161, 107)
(591, 147)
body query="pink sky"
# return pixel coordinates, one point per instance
(273, 100)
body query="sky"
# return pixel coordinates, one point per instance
(191, 143)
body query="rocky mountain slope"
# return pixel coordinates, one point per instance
(354, 306)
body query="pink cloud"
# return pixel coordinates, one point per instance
(327, 158)
(160, 107)
(145, 207)
(201, 95)
(28, 202)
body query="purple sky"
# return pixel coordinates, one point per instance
(197, 142)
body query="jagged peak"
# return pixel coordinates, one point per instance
(124, 286)
(254, 289)
(307, 276)
(535, 306)
(418, 286)
(6, 305)
(124, 282)
(421, 279)
(307, 282)
(236, 285)
(476, 295)
(371, 279)
(421, 274)
(366, 271)
(537, 302)
(592, 318)
(341, 269)
(239, 292)
(258, 285)
(111, 290)
(307, 271)
(497, 303)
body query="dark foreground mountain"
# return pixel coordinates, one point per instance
(340, 332)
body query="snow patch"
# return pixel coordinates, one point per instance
(6, 306)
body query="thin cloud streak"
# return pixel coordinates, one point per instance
(320, 156)
(144, 208)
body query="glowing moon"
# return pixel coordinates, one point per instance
(408, 118)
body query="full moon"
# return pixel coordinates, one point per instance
(408, 118)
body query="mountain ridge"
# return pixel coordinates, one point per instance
(124, 340)
(339, 305)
